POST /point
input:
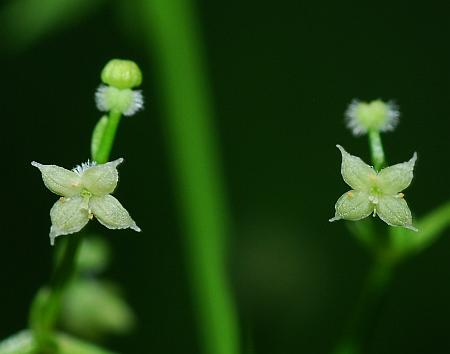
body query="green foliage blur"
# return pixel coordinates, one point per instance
(281, 75)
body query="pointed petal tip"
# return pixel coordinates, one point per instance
(342, 150)
(335, 218)
(118, 161)
(135, 228)
(412, 228)
(53, 235)
(36, 164)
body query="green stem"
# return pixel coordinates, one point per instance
(47, 304)
(376, 149)
(363, 319)
(108, 137)
(46, 308)
(358, 331)
(175, 41)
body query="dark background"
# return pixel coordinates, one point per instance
(282, 74)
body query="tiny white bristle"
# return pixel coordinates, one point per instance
(393, 117)
(100, 100)
(352, 121)
(84, 166)
(136, 105)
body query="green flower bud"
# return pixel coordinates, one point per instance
(376, 115)
(122, 74)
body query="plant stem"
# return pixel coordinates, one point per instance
(363, 319)
(108, 137)
(376, 149)
(175, 41)
(46, 305)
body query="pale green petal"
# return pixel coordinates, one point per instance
(355, 172)
(111, 213)
(353, 205)
(394, 211)
(101, 179)
(394, 179)
(68, 215)
(59, 180)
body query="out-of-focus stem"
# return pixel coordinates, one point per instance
(359, 329)
(175, 46)
(25, 343)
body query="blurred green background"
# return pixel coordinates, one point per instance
(281, 75)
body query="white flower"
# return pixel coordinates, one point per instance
(85, 193)
(375, 192)
(378, 115)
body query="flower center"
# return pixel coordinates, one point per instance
(373, 199)
(85, 193)
(375, 190)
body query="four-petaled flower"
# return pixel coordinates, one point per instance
(375, 192)
(85, 193)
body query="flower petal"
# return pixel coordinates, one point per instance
(111, 213)
(394, 211)
(355, 172)
(101, 179)
(353, 205)
(394, 179)
(59, 180)
(68, 215)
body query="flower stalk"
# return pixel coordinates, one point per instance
(101, 155)
(383, 185)
(395, 245)
(359, 328)
(47, 304)
(376, 149)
